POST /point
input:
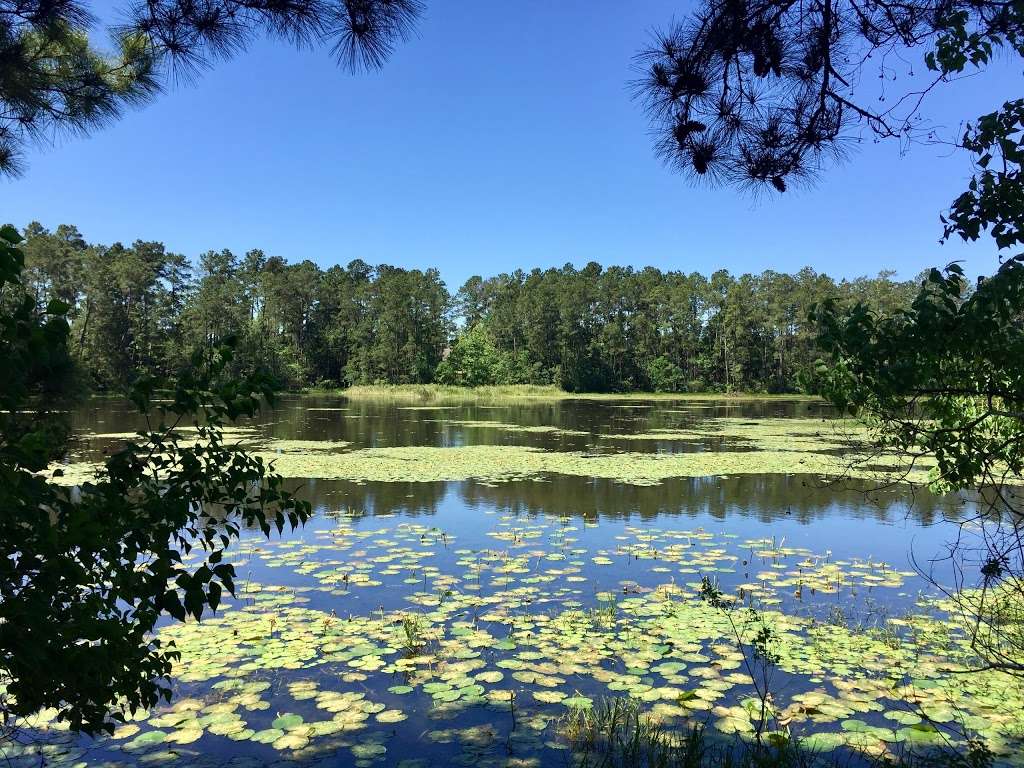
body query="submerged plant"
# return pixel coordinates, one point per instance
(412, 628)
(750, 629)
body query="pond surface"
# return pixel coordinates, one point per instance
(477, 572)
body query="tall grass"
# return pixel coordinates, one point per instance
(442, 393)
(617, 734)
(430, 393)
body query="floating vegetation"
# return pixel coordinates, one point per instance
(718, 446)
(391, 641)
(427, 407)
(502, 463)
(772, 434)
(72, 472)
(299, 446)
(446, 393)
(506, 427)
(231, 434)
(514, 392)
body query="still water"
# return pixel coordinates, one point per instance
(467, 584)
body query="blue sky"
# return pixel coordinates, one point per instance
(503, 136)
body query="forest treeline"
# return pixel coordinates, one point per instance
(140, 310)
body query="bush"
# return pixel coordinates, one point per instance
(476, 361)
(665, 376)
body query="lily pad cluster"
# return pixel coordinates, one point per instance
(503, 463)
(480, 655)
(379, 640)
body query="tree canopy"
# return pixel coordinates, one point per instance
(140, 309)
(54, 79)
(770, 92)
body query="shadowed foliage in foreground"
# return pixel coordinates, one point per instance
(86, 573)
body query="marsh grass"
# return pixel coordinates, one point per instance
(617, 733)
(413, 640)
(441, 393)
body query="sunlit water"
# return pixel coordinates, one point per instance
(462, 621)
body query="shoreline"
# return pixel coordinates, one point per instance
(436, 392)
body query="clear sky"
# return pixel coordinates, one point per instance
(503, 136)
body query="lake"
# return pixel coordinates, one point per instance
(478, 573)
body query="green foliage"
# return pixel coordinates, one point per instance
(475, 361)
(666, 376)
(945, 380)
(141, 310)
(994, 198)
(412, 631)
(970, 34)
(400, 326)
(770, 93)
(52, 77)
(34, 364)
(617, 329)
(86, 573)
(944, 377)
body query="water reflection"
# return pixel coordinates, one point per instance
(852, 516)
(372, 424)
(765, 498)
(523, 577)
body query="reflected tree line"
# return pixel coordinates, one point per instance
(765, 498)
(374, 423)
(141, 309)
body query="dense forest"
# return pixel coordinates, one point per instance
(140, 309)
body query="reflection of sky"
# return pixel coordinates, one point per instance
(850, 520)
(832, 528)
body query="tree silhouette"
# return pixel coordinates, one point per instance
(770, 92)
(53, 80)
